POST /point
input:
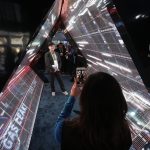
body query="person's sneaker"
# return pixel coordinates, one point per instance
(53, 93)
(65, 93)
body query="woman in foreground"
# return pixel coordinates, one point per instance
(102, 123)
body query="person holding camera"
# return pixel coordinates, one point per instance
(53, 65)
(62, 52)
(101, 124)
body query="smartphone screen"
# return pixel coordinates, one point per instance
(81, 75)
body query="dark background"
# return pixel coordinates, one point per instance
(33, 12)
(138, 29)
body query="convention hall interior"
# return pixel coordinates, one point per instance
(109, 36)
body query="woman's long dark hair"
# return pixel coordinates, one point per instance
(103, 111)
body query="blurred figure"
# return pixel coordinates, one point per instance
(10, 60)
(62, 51)
(53, 65)
(70, 56)
(102, 123)
(147, 146)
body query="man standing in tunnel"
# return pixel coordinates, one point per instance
(53, 65)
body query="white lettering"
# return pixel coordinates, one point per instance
(13, 132)
(15, 129)
(20, 114)
(11, 137)
(7, 144)
(18, 120)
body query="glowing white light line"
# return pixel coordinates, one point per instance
(106, 54)
(137, 105)
(100, 2)
(82, 42)
(69, 27)
(118, 66)
(94, 57)
(89, 65)
(53, 19)
(45, 35)
(30, 50)
(81, 45)
(141, 98)
(75, 5)
(113, 73)
(83, 12)
(102, 65)
(72, 20)
(35, 43)
(89, 13)
(90, 3)
(91, 62)
(80, 48)
(121, 42)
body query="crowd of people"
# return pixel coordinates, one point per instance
(71, 58)
(62, 60)
(53, 65)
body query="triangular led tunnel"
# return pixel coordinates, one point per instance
(94, 28)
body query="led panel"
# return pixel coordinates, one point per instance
(98, 37)
(18, 108)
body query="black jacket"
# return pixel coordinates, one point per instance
(49, 61)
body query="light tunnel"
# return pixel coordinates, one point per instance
(95, 27)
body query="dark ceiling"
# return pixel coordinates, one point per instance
(33, 11)
(36, 10)
(136, 16)
(128, 9)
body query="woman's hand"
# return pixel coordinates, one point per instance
(75, 91)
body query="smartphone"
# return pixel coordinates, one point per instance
(81, 75)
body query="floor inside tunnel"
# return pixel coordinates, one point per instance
(48, 111)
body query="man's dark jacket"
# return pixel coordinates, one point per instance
(49, 61)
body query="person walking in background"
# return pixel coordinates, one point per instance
(101, 124)
(62, 51)
(53, 65)
(71, 59)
